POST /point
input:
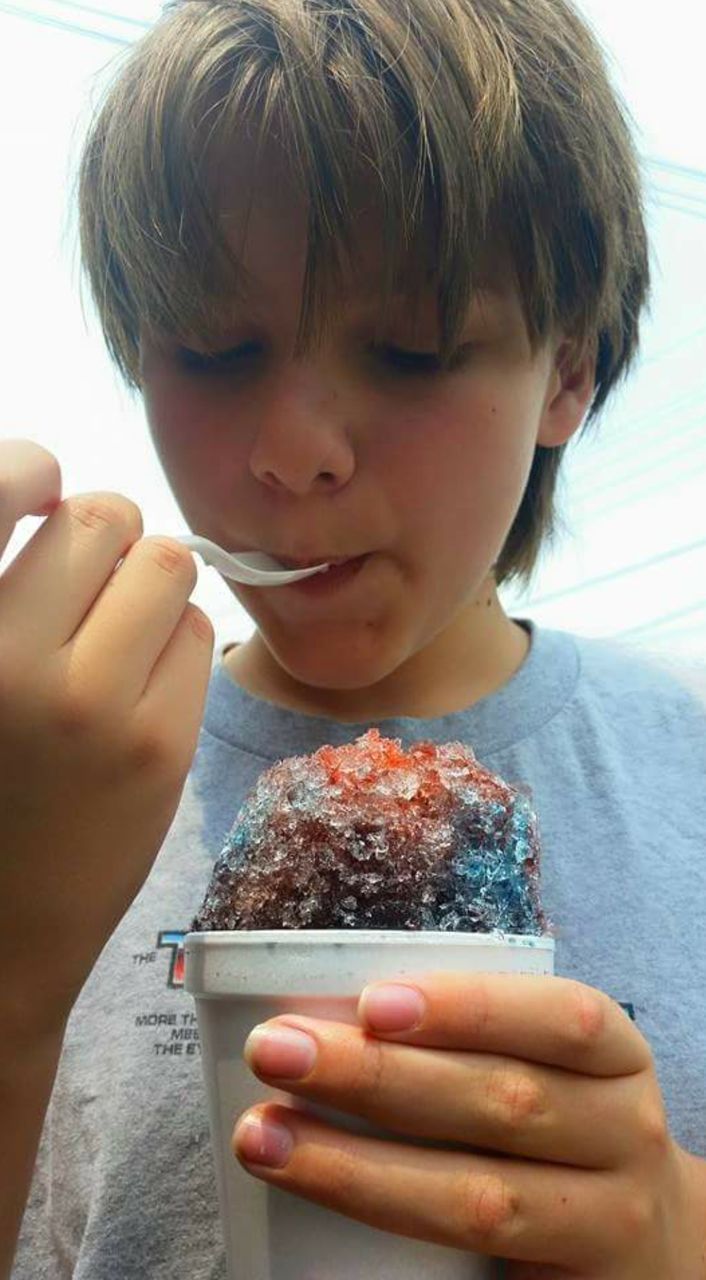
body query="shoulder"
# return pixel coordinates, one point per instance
(648, 684)
(634, 719)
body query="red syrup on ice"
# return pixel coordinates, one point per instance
(371, 836)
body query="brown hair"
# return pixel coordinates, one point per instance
(496, 117)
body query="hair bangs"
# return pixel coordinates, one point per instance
(346, 107)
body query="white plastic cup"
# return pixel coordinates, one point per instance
(242, 978)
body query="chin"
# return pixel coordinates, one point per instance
(359, 659)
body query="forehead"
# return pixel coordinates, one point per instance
(263, 210)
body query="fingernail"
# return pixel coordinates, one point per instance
(392, 1007)
(280, 1051)
(262, 1141)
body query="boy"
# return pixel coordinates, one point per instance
(370, 267)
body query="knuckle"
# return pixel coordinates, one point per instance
(100, 510)
(72, 718)
(342, 1174)
(588, 1011)
(149, 750)
(200, 623)
(72, 712)
(479, 1012)
(488, 1209)
(514, 1097)
(653, 1127)
(636, 1215)
(171, 556)
(369, 1076)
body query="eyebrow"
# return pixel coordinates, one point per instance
(486, 290)
(486, 284)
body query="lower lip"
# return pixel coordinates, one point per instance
(323, 584)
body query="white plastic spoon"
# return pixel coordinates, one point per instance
(253, 568)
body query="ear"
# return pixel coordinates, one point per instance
(570, 390)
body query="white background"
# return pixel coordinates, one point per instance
(633, 498)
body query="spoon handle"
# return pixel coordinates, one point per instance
(252, 568)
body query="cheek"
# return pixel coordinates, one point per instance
(460, 469)
(189, 444)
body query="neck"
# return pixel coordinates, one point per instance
(470, 659)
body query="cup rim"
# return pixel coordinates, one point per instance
(361, 937)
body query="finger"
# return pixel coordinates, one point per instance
(485, 1205)
(30, 484)
(136, 614)
(481, 1100)
(176, 693)
(546, 1019)
(51, 586)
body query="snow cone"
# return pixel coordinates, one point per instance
(355, 864)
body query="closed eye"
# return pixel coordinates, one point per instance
(412, 361)
(200, 362)
(224, 361)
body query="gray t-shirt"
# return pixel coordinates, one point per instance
(613, 745)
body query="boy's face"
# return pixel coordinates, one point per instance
(347, 451)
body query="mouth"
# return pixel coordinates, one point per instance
(330, 583)
(292, 562)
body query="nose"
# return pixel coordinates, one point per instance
(302, 444)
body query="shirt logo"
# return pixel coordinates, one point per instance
(173, 940)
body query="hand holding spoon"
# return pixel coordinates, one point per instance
(31, 475)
